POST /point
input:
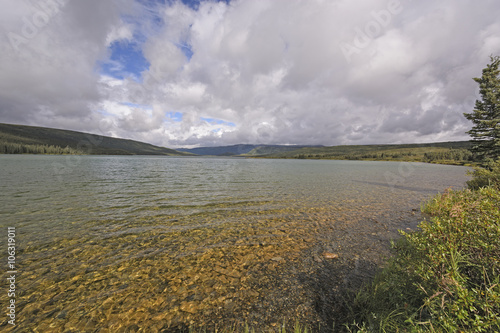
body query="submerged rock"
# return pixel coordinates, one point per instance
(329, 255)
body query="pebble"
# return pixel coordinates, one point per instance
(329, 255)
(190, 307)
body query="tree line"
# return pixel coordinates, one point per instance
(451, 155)
(457, 155)
(21, 148)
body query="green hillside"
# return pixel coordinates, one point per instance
(30, 139)
(440, 152)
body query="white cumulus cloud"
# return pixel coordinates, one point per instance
(247, 71)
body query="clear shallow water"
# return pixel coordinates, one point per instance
(156, 243)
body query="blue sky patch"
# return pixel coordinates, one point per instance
(174, 116)
(126, 60)
(214, 121)
(186, 49)
(138, 106)
(193, 4)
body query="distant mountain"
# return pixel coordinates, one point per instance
(219, 151)
(31, 139)
(266, 150)
(243, 149)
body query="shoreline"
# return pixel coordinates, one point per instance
(450, 163)
(157, 249)
(443, 276)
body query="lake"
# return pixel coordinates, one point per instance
(161, 243)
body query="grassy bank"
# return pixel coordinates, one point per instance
(455, 153)
(444, 277)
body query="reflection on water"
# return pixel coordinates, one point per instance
(159, 244)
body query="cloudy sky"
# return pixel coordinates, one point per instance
(202, 73)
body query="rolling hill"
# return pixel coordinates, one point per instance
(31, 139)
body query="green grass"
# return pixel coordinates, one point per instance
(444, 277)
(440, 152)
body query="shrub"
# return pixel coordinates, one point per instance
(444, 277)
(487, 176)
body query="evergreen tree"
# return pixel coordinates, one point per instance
(486, 115)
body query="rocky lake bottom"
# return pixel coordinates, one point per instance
(262, 245)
